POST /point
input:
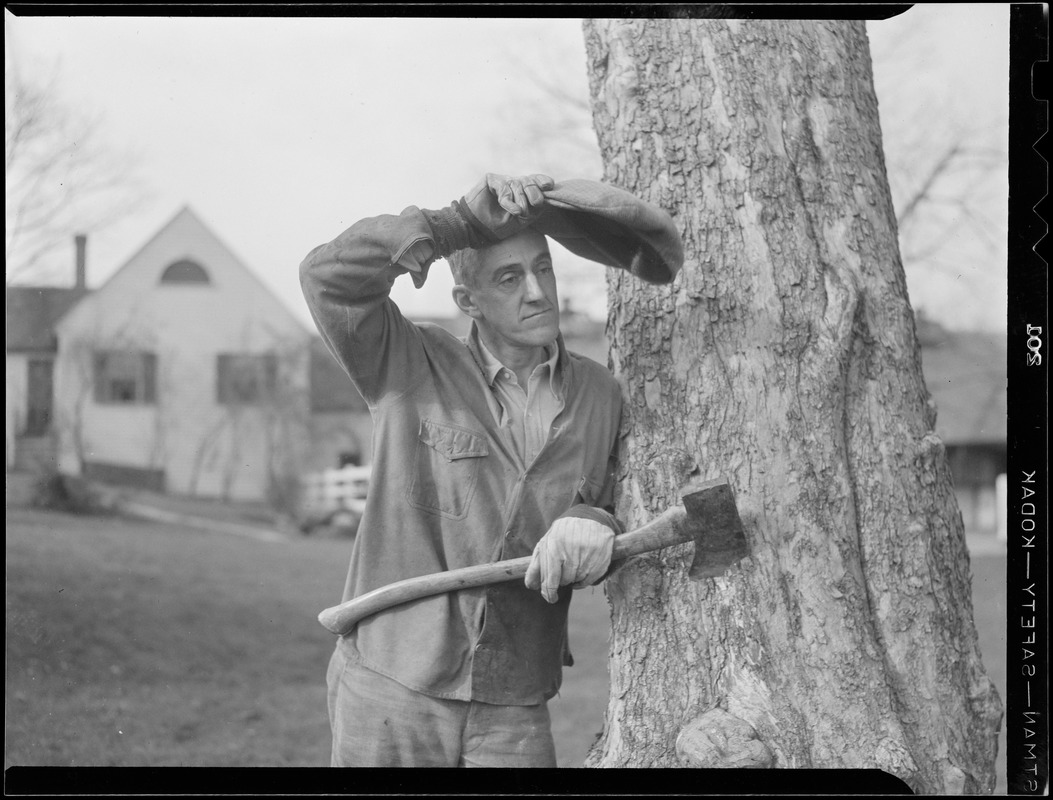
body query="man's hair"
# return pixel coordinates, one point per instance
(465, 264)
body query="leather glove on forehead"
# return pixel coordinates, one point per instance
(594, 220)
(500, 206)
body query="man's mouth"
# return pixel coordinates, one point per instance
(536, 314)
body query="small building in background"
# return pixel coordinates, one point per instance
(966, 374)
(32, 345)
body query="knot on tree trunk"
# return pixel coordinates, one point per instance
(719, 740)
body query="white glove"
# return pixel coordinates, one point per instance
(575, 550)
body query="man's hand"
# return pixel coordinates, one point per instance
(575, 550)
(500, 206)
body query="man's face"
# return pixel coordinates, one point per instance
(514, 296)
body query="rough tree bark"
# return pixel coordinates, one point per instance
(784, 358)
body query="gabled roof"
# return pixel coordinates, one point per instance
(191, 233)
(32, 313)
(966, 373)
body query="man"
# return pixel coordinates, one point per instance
(492, 447)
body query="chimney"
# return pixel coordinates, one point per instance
(82, 249)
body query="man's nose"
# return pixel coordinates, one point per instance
(533, 289)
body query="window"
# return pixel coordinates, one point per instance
(243, 379)
(125, 377)
(39, 398)
(185, 271)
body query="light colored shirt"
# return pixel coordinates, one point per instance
(526, 414)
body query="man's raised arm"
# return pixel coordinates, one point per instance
(347, 282)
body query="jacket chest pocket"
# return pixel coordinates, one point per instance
(447, 467)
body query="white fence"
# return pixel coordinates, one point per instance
(333, 490)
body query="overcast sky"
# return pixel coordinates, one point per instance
(281, 132)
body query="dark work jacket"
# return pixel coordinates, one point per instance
(448, 488)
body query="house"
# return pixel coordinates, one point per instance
(966, 374)
(32, 313)
(183, 373)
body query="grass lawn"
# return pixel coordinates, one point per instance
(147, 644)
(132, 643)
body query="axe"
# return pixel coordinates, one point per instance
(708, 517)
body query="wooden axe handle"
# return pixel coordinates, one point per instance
(665, 530)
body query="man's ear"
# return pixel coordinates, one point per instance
(462, 296)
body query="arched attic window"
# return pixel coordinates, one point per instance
(185, 271)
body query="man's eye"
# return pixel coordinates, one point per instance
(509, 280)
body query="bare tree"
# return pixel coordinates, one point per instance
(61, 178)
(69, 418)
(548, 107)
(207, 451)
(947, 171)
(287, 425)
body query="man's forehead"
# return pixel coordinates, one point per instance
(524, 247)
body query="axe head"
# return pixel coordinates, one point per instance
(719, 538)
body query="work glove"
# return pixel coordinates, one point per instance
(500, 206)
(575, 551)
(496, 208)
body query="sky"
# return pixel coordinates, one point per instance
(281, 132)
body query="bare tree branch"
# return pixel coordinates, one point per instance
(934, 173)
(61, 178)
(947, 165)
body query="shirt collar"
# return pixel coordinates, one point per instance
(492, 367)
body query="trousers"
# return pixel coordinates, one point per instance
(378, 722)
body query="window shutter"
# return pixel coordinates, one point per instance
(222, 368)
(99, 370)
(270, 375)
(149, 378)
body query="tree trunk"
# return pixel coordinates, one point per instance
(784, 358)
